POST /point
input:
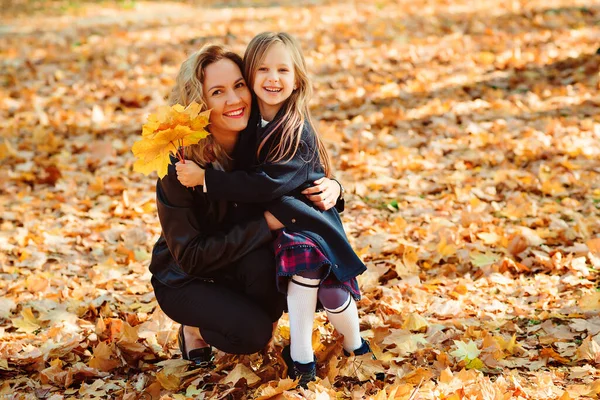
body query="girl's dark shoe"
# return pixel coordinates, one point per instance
(305, 372)
(202, 357)
(365, 348)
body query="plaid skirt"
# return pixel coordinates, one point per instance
(295, 253)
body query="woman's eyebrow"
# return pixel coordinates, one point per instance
(241, 78)
(216, 87)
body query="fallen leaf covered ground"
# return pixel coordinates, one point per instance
(468, 137)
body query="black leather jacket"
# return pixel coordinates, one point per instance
(278, 187)
(200, 237)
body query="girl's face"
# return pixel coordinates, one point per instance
(274, 80)
(227, 96)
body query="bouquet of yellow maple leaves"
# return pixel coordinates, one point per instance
(168, 132)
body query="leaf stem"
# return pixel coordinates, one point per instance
(179, 157)
(182, 152)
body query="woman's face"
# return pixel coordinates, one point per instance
(227, 96)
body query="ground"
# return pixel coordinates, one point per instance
(466, 133)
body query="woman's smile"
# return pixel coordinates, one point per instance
(237, 113)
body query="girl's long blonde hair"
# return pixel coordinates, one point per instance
(188, 88)
(295, 109)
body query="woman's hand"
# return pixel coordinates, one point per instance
(324, 194)
(189, 174)
(273, 223)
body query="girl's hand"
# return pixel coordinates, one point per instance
(273, 222)
(189, 174)
(324, 194)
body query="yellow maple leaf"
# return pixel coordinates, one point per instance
(511, 346)
(465, 351)
(415, 322)
(475, 363)
(164, 133)
(29, 323)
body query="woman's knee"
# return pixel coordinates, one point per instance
(257, 338)
(241, 334)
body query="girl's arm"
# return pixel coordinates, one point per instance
(325, 192)
(198, 250)
(270, 182)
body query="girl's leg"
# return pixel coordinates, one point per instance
(302, 302)
(226, 318)
(343, 314)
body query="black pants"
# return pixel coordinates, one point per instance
(234, 314)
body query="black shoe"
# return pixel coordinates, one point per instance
(365, 348)
(202, 357)
(287, 357)
(305, 372)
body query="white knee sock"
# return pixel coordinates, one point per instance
(345, 321)
(302, 301)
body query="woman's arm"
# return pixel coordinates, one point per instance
(197, 250)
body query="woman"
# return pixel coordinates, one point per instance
(213, 267)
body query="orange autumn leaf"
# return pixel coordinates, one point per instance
(104, 358)
(594, 245)
(549, 352)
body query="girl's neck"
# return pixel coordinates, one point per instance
(268, 112)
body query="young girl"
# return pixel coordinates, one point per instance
(315, 260)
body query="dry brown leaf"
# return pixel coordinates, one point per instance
(272, 389)
(240, 371)
(104, 358)
(589, 350)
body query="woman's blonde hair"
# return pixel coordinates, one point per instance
(295, 109)
(188, 88)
